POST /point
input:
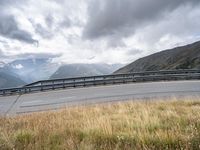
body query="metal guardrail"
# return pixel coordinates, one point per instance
(45, 85)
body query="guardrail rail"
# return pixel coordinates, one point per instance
(46, 85)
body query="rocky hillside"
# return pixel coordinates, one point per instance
(185, 57)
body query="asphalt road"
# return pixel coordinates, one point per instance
(61, 98)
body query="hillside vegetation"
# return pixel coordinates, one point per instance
(169, 124)
(185, 57)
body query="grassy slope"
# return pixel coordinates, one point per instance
(160, 124)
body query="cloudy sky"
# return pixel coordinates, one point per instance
(93, 31)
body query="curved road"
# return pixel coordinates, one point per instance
(56, 99)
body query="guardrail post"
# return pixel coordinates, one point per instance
(63, 84)
(134, 78)
(4, 93)
(84, 82)
(74, 83)
(41, 86)
(94, 81)
(53, 85)
(20, 91)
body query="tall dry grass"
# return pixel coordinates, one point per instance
(169, 124)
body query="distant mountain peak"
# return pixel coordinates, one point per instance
(32, 69)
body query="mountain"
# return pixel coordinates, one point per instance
(31, 70)
(9, 79)
(77, 70)
(184, 57)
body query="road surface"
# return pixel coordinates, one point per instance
(61, 98)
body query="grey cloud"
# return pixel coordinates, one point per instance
(65, 23)
(183, 25)
(49, 21)
(10, 29)
(12, 2)
(134, 52)
(1, 56)
(37, 55)
(51, 27)
(123, 17)
(5, 5)
(4, 42)
(9, 58)
(43, 32)
(4, 2)
(1, 52)
(115, 42)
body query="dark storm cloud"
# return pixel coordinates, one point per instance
(9, 26)
(123, 17)
(10, 29)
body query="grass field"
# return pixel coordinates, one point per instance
(169, 124)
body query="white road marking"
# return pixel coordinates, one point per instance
(64, 98)
(32, 102)
(29, 103)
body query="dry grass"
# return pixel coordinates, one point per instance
(172, 124)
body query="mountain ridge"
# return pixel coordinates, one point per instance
(77, 70)
(182, 57)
